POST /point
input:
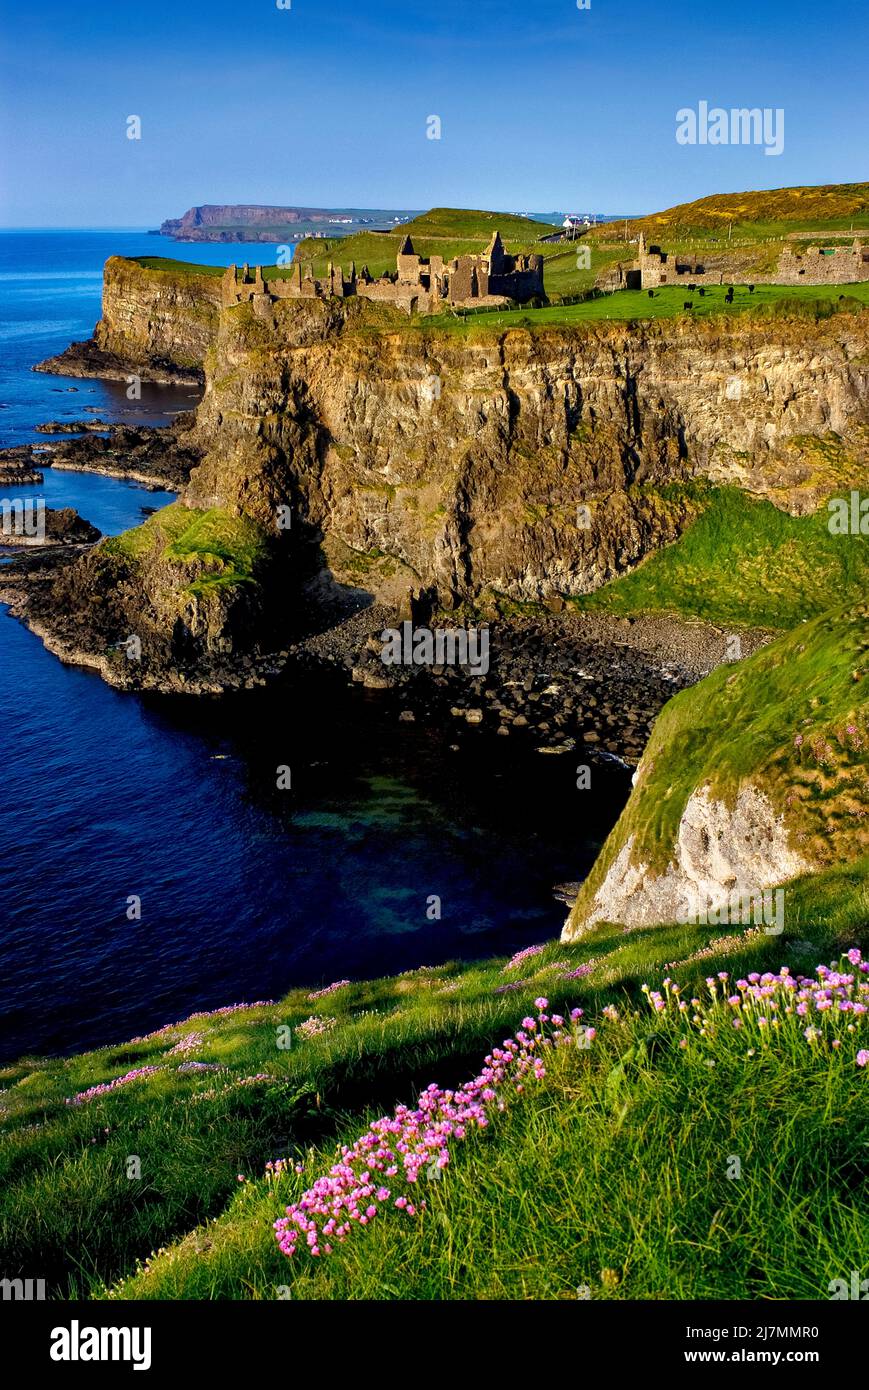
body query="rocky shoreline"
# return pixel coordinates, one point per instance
(562, 682)
(588, 684)
(87, 359)
(159, 459)
(61, 526)
(573, 681)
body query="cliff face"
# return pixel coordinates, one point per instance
(208, 216)
(467, 459)
(156, 317)
(489, 467)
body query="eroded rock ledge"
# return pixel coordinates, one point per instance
(720, 850)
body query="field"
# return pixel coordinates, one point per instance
(666, 303)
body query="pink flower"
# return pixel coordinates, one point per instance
(413, 1143)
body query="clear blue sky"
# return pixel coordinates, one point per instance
(542, 106)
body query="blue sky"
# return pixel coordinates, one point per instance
(543, 106)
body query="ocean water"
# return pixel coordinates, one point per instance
(245, 890)
(50, 289)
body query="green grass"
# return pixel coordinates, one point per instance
(743, 563)
(220, 549)
(767, 212)
(635, 306)
(166, 265)
(541, 1204)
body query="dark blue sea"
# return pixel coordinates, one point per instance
(245, 891)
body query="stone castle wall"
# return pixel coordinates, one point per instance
(417, 286)
(841, 265)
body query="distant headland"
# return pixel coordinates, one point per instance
(260, 222)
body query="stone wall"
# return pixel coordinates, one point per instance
(418, 286)
(839, 265)
(243, 286)
(815, 265)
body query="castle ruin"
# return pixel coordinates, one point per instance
(485, 281)
(824, 265)
(816, 265)
(655, 267)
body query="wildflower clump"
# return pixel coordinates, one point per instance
(329, 989)
(105, 1088)
(314, 1027)
(521, 956)
(827, 1011)
(191, 1042)
(381, 1169)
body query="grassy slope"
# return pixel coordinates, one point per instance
(743, 563)
(221, 550)
(767, 212)
(526, 1200)
(750, 228)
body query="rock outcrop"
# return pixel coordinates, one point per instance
(720, 850)
(156, 323)
(753, 777)
(519, 462)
